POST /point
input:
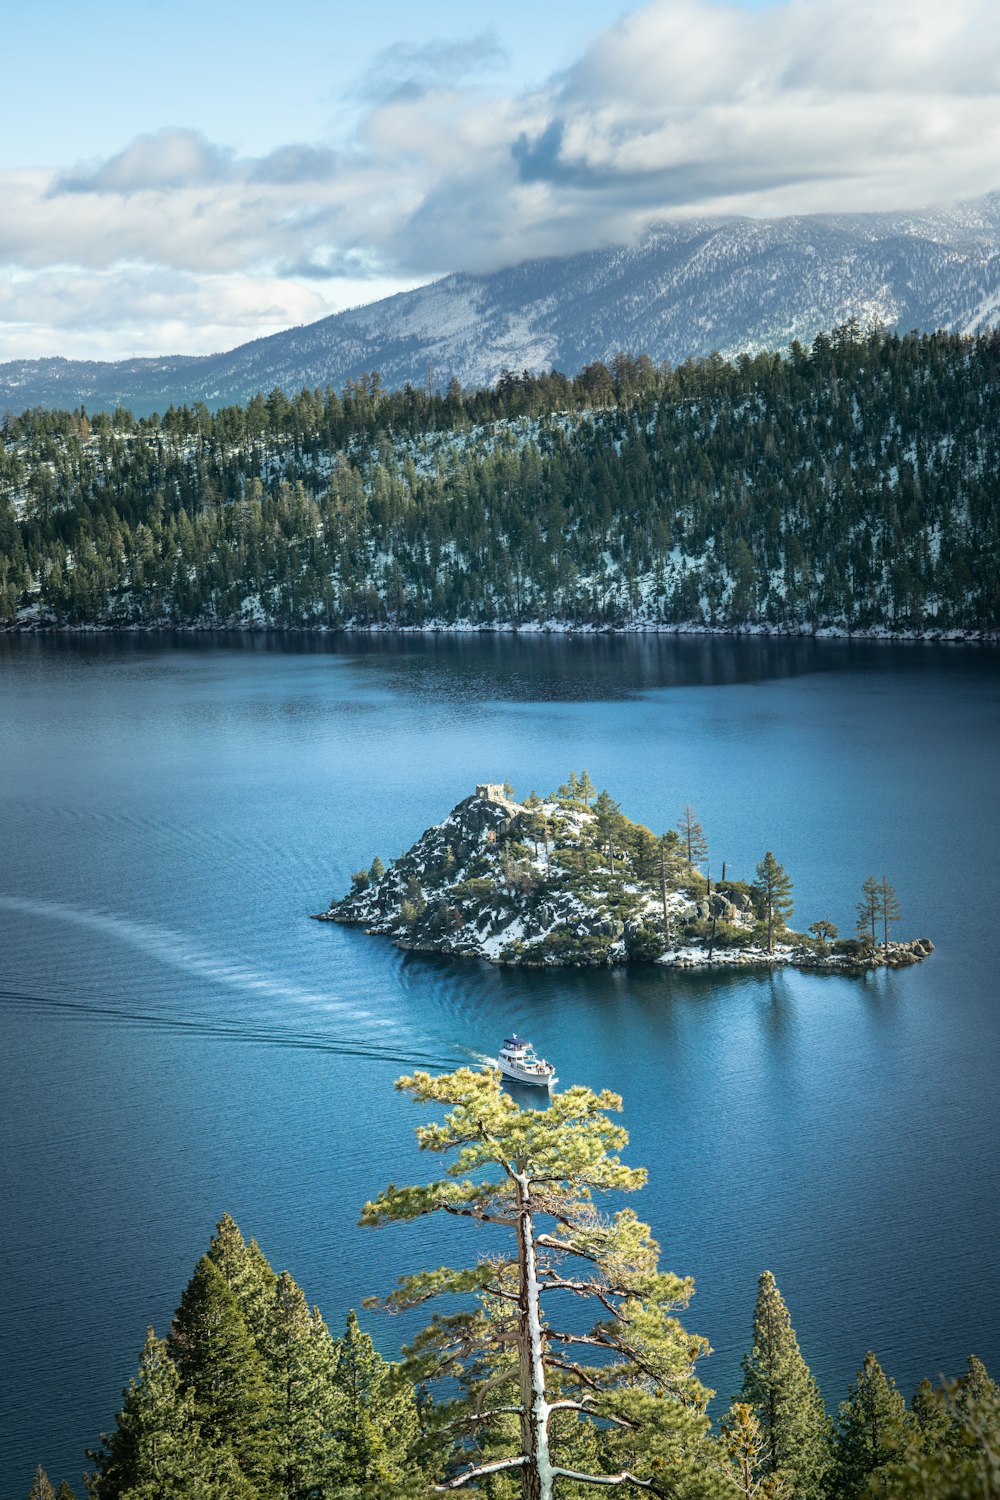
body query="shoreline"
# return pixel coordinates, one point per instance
(902, 954)
(787, 631)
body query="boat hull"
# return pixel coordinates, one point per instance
(537, 1080)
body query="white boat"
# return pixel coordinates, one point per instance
(518, 1061)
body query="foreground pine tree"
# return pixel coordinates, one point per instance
(157, 1451)
(377, 1418)
(218, 1361)
(952, 1451)
(786, 1400)
(251, 1398)
(633, 1397)
(872, 1432)
(41, 1486)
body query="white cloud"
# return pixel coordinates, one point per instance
(684, 106)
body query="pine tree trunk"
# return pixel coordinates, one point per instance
(536, 1476)
(663, 894)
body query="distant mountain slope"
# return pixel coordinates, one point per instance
(686, 289)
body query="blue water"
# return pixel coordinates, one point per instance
(180, 1040)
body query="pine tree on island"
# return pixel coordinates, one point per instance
(692, 837)
(868, 914)
(889, 909)
(669, 859)
(585, 788)
(773, 890)
(607, 814)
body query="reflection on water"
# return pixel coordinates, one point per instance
(182, 1041)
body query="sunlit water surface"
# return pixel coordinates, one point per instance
(180, 1040)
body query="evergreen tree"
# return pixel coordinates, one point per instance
(377, 1418)
(786, 1400)
(930, 1413)
(607, 818)
(889, 909)
(744, 1456)
(248, 1275)
(157, 1451)
(668, 870)
(954, 1453)
(523, 1171)
(41, 1489)
(301, 1362)
(217, 1359)
(872, 1431)
(868, 914)
(585, 789)
(376, 870)
(824, 932)
(773, 892)
(975, 1390)
(693, 838)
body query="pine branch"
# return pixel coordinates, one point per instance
(481, 1470)
(478, 1213)
(625, 1477)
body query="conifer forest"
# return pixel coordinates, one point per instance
(845, 487)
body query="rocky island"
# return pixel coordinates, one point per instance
(568, 880)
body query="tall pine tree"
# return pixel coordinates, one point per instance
(218, 1359)
(794, 1428)
(872, 1430)
(157, 1451)
(378, 1419)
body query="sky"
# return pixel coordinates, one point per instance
(183, 178)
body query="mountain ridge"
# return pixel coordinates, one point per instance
(686, 289)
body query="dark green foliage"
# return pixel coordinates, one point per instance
(608, 820)
(772, 892)
(849, 486)
(872, 1431)
(301, 1363)
(931, 1415)
(793, 1427)
(247, 1274)
(952, 1447)
(218, 1360)
(157, 1451)
(377, 1419)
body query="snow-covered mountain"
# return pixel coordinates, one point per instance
(689, 287)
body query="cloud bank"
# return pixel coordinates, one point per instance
(177, 243)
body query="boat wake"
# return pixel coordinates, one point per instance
(176, 951)
(230, 1029)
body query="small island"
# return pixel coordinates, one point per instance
(568, 880)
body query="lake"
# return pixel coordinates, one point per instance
(181, 1040)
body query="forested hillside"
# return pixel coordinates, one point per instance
(848, 486)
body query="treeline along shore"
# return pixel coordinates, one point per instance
(848, 487)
